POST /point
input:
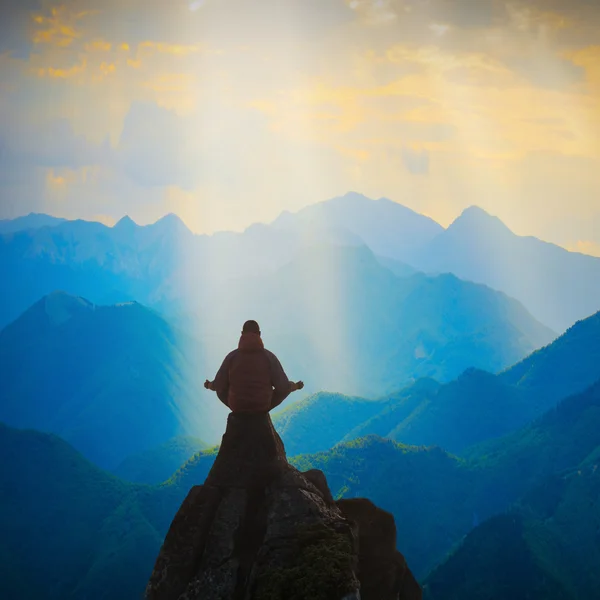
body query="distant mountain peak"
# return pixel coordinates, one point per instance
(475, 217)
(60, 306)
(476, 211)
(170, 218)
(351, 195)
(30, 221)
(171, 222)
(125, 223)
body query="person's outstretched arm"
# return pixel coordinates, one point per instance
(221, 381)
(282, 386)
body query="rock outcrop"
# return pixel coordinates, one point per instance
(259, 529)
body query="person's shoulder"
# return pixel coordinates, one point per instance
(232, 354)
(271, 355)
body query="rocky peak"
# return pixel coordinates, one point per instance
(259, 529)
(126, 223)
(59, 306)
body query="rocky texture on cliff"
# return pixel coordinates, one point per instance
(259, 529)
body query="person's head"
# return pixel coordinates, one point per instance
(251, 327)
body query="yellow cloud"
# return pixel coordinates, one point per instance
(125, 46)
(174, 49)
(467, 102)
(136, 64)
(107, 68)
(433, 56)
(55, 181)
(589, 59)
(63, 73)
(98, 46)
(59, 28)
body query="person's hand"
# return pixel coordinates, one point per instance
(207, 384)
(299, 385)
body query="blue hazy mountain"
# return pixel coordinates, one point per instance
(160, 264)
(71, 530)
(103, 264)
(344, 418)
(502, 558)
(74, 366)
(475, 407)
(441, 498)
(157, 464)
(557, 286)
(342, 322)
(334, 413)
(390, 229)
(128, 262)
(30, 221)
(341, 319)
(563, 438)
(548, 544)
(94, 534)
(111, 380)
(568, 365)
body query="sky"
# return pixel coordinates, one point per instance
(228, 112)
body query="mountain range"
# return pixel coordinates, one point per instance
(111, 380)
(390, 229)
(435, 385)
(162, 264)
(547, 545)
(157, 464)
(475, 407)
(557, 286)
(342, 322)
(70, 530)
(121, 372)
(441, 498)
(30, 221)
(464, 416)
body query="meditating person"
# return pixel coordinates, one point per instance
(251, 378)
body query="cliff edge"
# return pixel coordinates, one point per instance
(259, 529)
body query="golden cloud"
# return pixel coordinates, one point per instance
(55, 73)
(173, 49)
(434, 57)
(98, 46)
(486, 110)
(54, 180)
(59, 27)
(589, 59)
(107, 68)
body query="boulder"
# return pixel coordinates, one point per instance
(259, 529)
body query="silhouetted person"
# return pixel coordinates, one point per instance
(251, 379)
